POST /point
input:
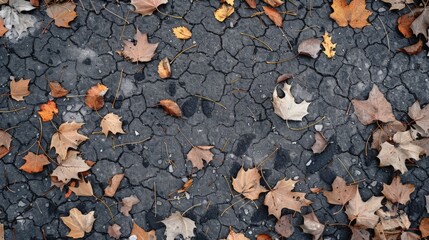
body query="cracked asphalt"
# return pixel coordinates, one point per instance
(229, 68)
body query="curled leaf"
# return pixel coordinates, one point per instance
(47, 111)
(223, 12)
(182, 33)
(127, 204)
(171, 107)
(57, 90)
(274, 15)
(413, 49)
(114, 183)
(164, 69)
(95, 96)
(147, 7)
(310, 47)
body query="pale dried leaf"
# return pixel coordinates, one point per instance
(286, 108)
(236, 236)
(5, 139)
(398, 192)
(67, 137)
(111, 123)
(16, 22)
(19, 89)
(114, 231)
(78, 223)
(127, 204)
(21, 5)
(354, 14)
(182, 33)
(284, 226)
(420, 115)
(410, 236)
(164, 69)
(57, 89)
(171, 107)
(199, 153)
(320, 143)
(248, 183)
(363, 213)
(421, 24)
(385, 133)
(84, 189)
(312, 226)
(114, 183)
(142, 51)
(398, 4)
(62, 13)
(341, 192)
(360, 234)
(178, 225)
(94, 97)
(147, 7)
(392, 219)
(274, 3)
(69, 167)
(223, 12)
(413, 49)
(141, 234)
(310, 47)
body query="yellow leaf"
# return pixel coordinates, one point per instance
(223, 12)
(354, 14)
(182, 33)
(164, 69)
(328, 45)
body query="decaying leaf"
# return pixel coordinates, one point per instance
(141, 234)
(424, 227)
(310, 47)
(263, 236)
(21, 5)
(247, 183)
(94, 97)
(5, 139)
(328, 46)
(251, 3)
(142, 51)
(111, 123)
(274, 15)
(67, 137)
(397, 192)
(282, 197)
(375, 108)
(320, 143)
(223, 12)
(78, 223)
(57, 89)
(363, 213)
(3, 151)
(127, 204)
(3, 29)
(360, 234)
(198, 154)
(392, 220)
(312, 226)
(34, 163)
(48, 110)
(354, 14)
(69, 167)
(16, 22)
(1, 231)
(235, 236)
(186, 186)
(3, 2)
(421, 24)
(114, 183)
(419, 115)
(284, 226)
(385, 133)
(178, 225)
(413, 49)
(114, 231)
(409, 236)
(341, 192)
(84, 189)
(62, 13)
(398, 4)
(147, 7)
(286, 108)
(274, 3)
(284, 77)
(182, 33)
(19, 89)
(230, 2)
(171, 107)
(164, 69)
(405, 21)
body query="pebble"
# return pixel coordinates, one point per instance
(318, 127)
(357, 173)
(136, 133)
(296, 178)
(188, 196)
(132, 237)
(308, 163)
(170, 168)
(21, 204)
(159, 203)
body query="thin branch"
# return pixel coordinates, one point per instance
(14, 110)
(309, 125)
(116, 15)
(385, 31)
(117, 90)
(259, 40)
(130, 143)
(180, 53)
(211, 100)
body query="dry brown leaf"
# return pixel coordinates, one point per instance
(19, 89)
(284, 77)
(78, 223)
(248, 183)
(94, 97)
(171, 107)
(235, 236)
(405, 21)
(274, 15)
(198, 154)
(286, 108)
(274, 3)
(328, 46)
(282, 197)
(70, 167)
(84, 189)
(182, 33)
(360, 234)
(397, 192)
(409, 236)
(230, 2)
(3, 2)
(375, 108)
(354, 14)
(164, 69)
(5, 139)
(223, 12)
(284, 226)
(363, 213)
(114, 183)
(413, 49)
(312, 226)
(62, 13)
(320, 143)
(142, 51)
(141, 234)
(421, 24)
(3, 29)
(127, 204)
(57, 183)
(419, 115)
(251, 3)
(398, 4)
(341, 192)
(67, 137)
(316, 190)
(392, 220)
(111, 123)
(48, 110)
(57, 89)
(147, 7)
(3, 151)
(310, 47)
(1, 231)
(34, 163)
(424, 227)
(263, 237)
(385, 133)
(178, 225)
(186, 186)
(114, 231)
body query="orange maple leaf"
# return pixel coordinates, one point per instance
(354, 14)
(47, 111)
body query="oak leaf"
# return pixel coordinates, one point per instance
(385, 133)
(67, 137)
(398, 4)
(419, 115)
(114, 231)
(274, 15)
(274, 3)
(320, 143)
(354, 14)
(248, 183)
(361, 213)
(182, 33)
(70, 167)
(424, 227)
(127, 204)
(341, 192)
(34, 163)
(84, 189)
(142, 51)
(223, 12)
(310, 47)
(3, 29)
(251, 3)
(312, 226)
(284, 226)
(171, 107)
(413, 49)
(286, 108)
(397, 192)
(78, 223)
(141, 234)
(62, 13)
(19, 89)
(5, 139)
(328, 46)
(178, 225)
(164, 69)
(57, 89)
(235, 236)
(48, 110)
(198, 154)
(114, 183)
(94, 97)
(147, 7)
(111, 123)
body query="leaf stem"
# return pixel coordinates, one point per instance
(180, 53)
(309, 125)
(130, 143)
(166, 14)
(13, 110)
(257, 39)
(211, 100)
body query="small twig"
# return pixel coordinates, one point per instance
(387, 35)
(83, 6)
(166, 14)
(154, 193)
(13, 127)
(112, 217)
(211, 100)
(366, 145)
(265, 180)
(230, 206)
(235, 80)
(227, 183)
(93, 7)
(345, 168)
(75, 96)
(259, 40)
(267, 157)
(187, 139)
(253, 115)
(181, 52)
(309, 125)
(224, 145)
(196, 205)
(348, 109)
(14, 110)
(282, 61)
(116, 15)
(130, 143)
(287, 39)
(125, 24)
(117, 90)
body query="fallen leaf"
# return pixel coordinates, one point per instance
(70, 167)
(424, 227)
(198, 154)
(164, 69)
(274, 15)
(312, 226)
(127, 204)
(281, 196)
(385, 133)
(147, 7)
(182, 33)
(35, 3)
(21, 5)
(409, 236)
(392, 220)
(48, 110)
(405, 21)
(398, 4)
(251, 3)
(230, 2)
(284, 226)
(354, 14)
(114, 183)
(57, 90)
(4, 2)
(34, 163)
(78, 223)
(427, 203)
(263, 237)
(1, 231)
(67, 137)
(3, 152)
(19, 89)
(316, 190)
(84, 189)
(235, 236)
(413, 49)
(328, 46)
(341, 192)
(3, 29)
(142, 51)
(284, 77)
(17, 23)
(274, 3)
(361, 213)
(94, 97)
(171, 107)
(111, 123)
(248, 183)
(62, 13)
(186, 186)
(320, 143)
(397, 192)
(310, 47)
(286, 108)
(360, 234)
(55, 182)
(419, 115)
(223, 12)
(375, 108)
(178, 225)
(141, 234)
(421, 24)
(114, 231)
(5, 139)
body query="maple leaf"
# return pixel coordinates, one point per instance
(405, 21)
(310, 47)
(3, 29)
(398, 192)
(419, 115)
(141, 234)
(395, 154)
(274, 15)
(281, 196)
(114, 183)
(341, 192)
(17, 23)
(171, 107)
(21, 5)
(5, 139)
(111, 123)
(47, 111)
(69, 167)
(413, 49)
(391, 220)
(34, 163)
(274, 3)
(312, 226)
(376, 107)
(198, 154)
(127, 204)
(362, 213)
(251, 3)
(182, 33)
(142, 51)
(235, 236)
(57, 90)
(286, 108)
(354, 14)
(398, 4)
(67, 137)
(62, 13)
(284, 226)
(359, 234)
(94, 96)
(83, 190)
(78, 223)
(421, 23)
(223, 12)
(328, 46)
(114, 231)
(164, 69)
(409, 236)
(385, 133)
(147, 7)
(320, 143)
(248, 183)
(19, 89)
(178, 225)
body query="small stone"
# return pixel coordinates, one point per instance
(308, 163)
(159, 161)
(358, 173)
(136, 133)
(159, 203)
(184, 179)
(132, 237)
(188, 196)
(296, 178)
(170, 168)
(318, 127)
(21, 204)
